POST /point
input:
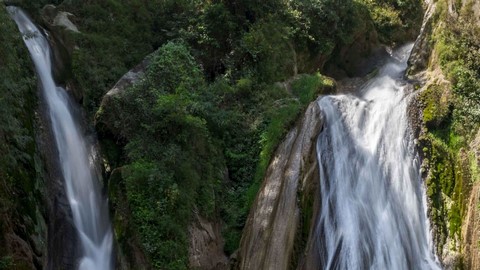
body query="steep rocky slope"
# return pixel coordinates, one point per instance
(278, 227)
(94, 57)
(442, 63)
(471, 225)
(23, 229)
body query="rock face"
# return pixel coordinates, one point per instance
(422, 48)
(61, 36)
(106, 113)
(471, 227)
(129, 251)
(272, 237)
(455, 251)
(206, 245)
(62, 20)
(62, 235)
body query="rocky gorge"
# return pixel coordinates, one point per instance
(268, 220)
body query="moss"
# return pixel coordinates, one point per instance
(6, 263)
(452, 124)
(21, 171)
(447, 186)
(308, 87)
(436, 105)
(439, 184)
(111, 151)
(460, 195)
(125, 233)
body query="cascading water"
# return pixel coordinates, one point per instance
(372, 198)
(75, 156)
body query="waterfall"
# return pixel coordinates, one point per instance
(373, 206)
(89, 209)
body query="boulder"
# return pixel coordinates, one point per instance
(61, 31)
(107, 110)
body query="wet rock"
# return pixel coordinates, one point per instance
(61, 31)
(423, 46)
(271, 235)
(62, 235)
(206, 245)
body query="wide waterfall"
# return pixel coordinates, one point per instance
(373, 210)
(89, 209)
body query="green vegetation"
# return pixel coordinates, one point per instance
(452, 117)
(20, 171)
(197, 133)
(396, 20)
(273, 39)
(458, 52)
(6, 263)
(177, 165)
(172, 162)
(282, 115)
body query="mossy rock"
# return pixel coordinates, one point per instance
(436, 100)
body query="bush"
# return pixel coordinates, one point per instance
(172, 163)
(396, 20)
(22, 186)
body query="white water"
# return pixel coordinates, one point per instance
(373, 204)
(75, 155)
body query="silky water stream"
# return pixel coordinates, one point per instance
(373, 209)
(89, 208)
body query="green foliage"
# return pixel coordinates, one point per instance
(181, 131)
(452, 117)
(15, 86)
(437, 106)
(467, 91)
(395, 20)
(232, 39)
(109, 40)
(20, 170)
(33, 6)
(159, 212)
(268, 45)
(458, 51)
(6, 263)
(172, 162)
(324, 23)
(307, 87)
(201, 127)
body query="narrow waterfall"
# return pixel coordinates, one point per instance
(89, 209)
(373, 209)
